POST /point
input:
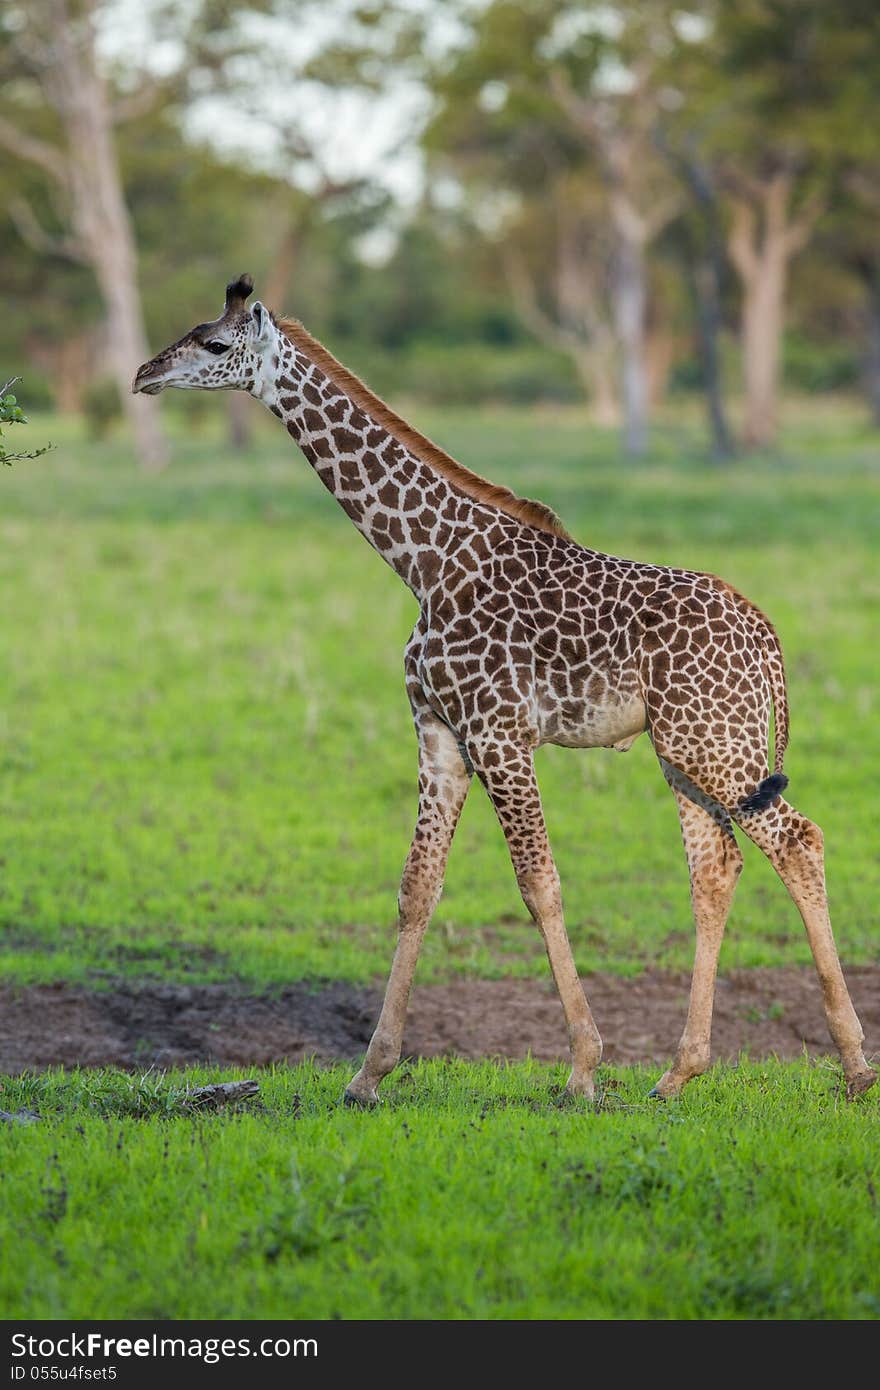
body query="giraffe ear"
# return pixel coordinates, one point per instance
(262, 322)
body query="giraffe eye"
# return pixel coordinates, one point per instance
(216, 347)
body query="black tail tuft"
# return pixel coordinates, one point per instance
(765, 793)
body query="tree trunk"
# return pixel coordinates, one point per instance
(703, 262)
(763, 238)
(705, 290)
(283, 265)
(703, 272)
(127, 343)
(238, 421)
(577, 326)
(76, 91)
(764, 295)
(629, 315)
(870, 274)
(595, 370)
(660, 348)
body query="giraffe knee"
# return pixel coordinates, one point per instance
(799, 837)
(733, 859)
(420, 887)
(541, 893)
(812, 838)
(715, 874)
(415, 906)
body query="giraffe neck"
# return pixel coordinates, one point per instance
(412, 516)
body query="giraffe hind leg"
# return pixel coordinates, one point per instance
(708, 716)
(714, 864)
(795, 848)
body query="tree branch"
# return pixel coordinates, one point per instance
(801, 228)
(630, 223)
(741, 239)
(34, 150)
(70, 248)
(742, 185)
(526, 300)
(665, 209)
(136, 103)
(865, 187)
(580, 112)
(777, 191)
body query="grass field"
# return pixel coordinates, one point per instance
(207, 769)
(207, 772)
(470, 1194)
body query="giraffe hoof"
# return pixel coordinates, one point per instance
(664, 1090)
(354, 1101)
(860, 1083)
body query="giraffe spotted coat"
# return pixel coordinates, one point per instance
(525, 637)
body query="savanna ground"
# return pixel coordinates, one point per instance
(207, 781)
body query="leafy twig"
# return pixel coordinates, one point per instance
(11, 413)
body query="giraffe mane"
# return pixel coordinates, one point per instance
(522, 509)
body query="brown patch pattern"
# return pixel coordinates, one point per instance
(525, 637)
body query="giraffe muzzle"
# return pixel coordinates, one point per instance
(149, 380)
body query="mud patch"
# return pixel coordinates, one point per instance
(760, 1011)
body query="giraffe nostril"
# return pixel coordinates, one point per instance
(147, 380)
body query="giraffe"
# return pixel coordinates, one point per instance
(525, 637)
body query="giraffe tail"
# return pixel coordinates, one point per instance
(767, 790)
(774, 665)
(765, 793)
(776, 676)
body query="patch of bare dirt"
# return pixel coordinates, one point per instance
(761, 1011)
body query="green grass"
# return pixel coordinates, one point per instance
(471, 1193)
(207, 772)
(207, 768)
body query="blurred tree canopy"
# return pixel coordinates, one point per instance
(615, 201)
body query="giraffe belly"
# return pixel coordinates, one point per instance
(572, 724)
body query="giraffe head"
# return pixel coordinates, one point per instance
(224, 355)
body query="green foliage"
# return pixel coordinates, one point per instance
(800, 73)
(471, 1193)
(792, 81)
(11, 413)
(207, 765)
(819, 367)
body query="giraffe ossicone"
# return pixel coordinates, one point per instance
(525, 637)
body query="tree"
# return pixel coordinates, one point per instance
(849, 241)
(52, 45)
(557, 263)
(550, 96)
(698, 236)
(779, 87)
(620, 126)
(765, 233)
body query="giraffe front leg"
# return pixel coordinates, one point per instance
(443, 785)
(508, 774)
(714, 862)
